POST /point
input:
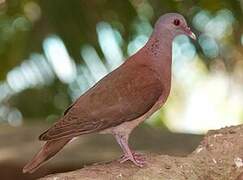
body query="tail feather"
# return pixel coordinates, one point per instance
(49, 149)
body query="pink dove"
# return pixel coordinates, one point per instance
(122, 99)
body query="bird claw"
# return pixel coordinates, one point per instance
(136, 158)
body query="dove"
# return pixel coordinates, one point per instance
(122, 99)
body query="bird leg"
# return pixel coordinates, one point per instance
(136, 158)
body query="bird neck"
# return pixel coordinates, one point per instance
(159, 47)
(158, 51)
(160, 43)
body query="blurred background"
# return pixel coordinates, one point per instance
(51, 52)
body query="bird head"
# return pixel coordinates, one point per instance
(175, 24)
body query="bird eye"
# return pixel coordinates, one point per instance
(176, 22)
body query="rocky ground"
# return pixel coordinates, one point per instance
(218, 157)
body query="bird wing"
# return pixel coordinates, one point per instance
(125, 94)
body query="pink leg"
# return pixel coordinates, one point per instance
(128, 154)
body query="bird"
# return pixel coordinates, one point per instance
(121, 100)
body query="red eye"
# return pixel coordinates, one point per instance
(177, 22)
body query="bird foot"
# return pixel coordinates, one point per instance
(136, 158)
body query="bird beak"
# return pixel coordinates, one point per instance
(189, 33)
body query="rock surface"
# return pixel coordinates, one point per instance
(218, 157)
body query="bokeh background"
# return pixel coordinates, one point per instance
(53, 51)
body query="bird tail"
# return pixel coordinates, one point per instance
(49, 149)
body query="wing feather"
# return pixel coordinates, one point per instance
(121, 96)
